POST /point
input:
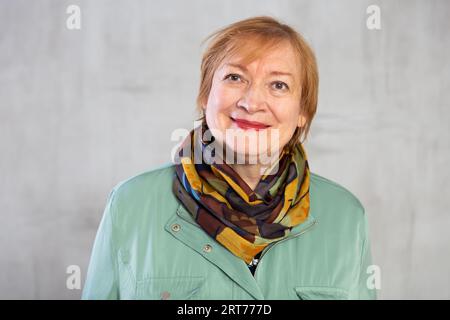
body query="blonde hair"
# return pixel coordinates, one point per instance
(266, 32)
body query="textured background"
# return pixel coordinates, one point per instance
(84, 109)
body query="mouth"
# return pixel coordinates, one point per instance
(249, 125)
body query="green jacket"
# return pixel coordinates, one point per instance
(148, 246)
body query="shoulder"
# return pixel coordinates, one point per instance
(339, 212)
(157, 178)
(144, 194)
(330, 197)
(330, 187)
(153, 187)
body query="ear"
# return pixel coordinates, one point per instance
(301, 121)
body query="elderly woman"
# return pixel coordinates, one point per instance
(265, 227)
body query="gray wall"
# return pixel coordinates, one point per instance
(81, 110)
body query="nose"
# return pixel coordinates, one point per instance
(253, 99)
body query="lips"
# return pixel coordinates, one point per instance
(247, 125)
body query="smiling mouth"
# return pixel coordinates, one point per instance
(249, 125)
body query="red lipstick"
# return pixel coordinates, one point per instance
(246, 125)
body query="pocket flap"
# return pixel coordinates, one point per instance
(321, 293)
(176, 288)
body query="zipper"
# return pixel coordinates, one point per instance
(271, 246)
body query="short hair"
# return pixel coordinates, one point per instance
(266, 32)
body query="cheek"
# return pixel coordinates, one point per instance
(226, 96)
(287, 114)
(218, 109)
(287, 119)
(221, 99)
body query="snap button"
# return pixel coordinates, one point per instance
(165, 295)
(207, 248)
(176, 227)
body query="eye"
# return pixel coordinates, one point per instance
(233, 77)
(279, 85)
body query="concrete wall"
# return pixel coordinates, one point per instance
(81, 110)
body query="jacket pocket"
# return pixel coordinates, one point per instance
(176, 288)
(321, 293)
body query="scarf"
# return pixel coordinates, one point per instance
(242, 220)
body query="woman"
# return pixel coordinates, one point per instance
(260, 227)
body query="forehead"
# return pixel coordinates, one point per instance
(279, 57)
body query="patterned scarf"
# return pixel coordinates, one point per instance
(243, 220)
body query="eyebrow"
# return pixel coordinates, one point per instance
(276, 73)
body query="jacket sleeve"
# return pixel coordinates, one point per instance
(366, 285)
(101, 279)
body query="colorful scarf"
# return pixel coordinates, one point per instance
(243, 220)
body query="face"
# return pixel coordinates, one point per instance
(259, 103)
